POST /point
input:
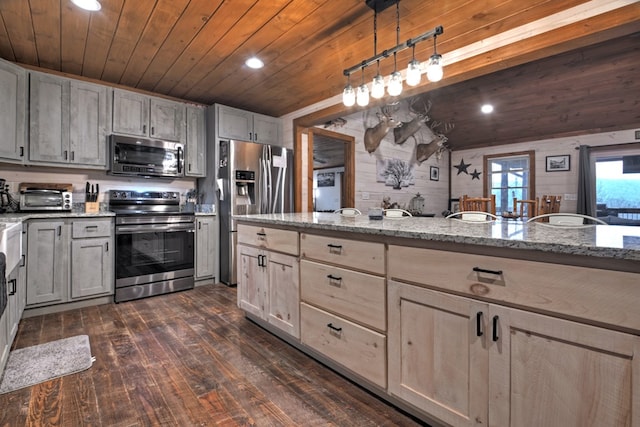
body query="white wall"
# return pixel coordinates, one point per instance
(564, 184)
(328, 198)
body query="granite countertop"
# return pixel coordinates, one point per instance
(605, 241)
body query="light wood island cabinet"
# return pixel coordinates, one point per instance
(470, 362)
(343, 303)
(268, 276)
(469, 335)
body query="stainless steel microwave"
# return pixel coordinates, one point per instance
(146, 157)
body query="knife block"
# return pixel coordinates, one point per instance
(92, 207)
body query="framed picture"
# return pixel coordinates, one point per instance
(558, 163)
(434, 173)
(326, 179)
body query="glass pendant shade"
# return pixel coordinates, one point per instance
(362, 95)
(377, 87)
(395, 84)
(413, 73)
(348, 96)
(434, 68)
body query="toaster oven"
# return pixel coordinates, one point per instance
(46, 197)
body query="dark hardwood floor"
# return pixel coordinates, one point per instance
(186, 359)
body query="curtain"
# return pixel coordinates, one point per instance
(586, 190)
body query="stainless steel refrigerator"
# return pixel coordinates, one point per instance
(253, 179)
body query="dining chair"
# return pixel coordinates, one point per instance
(530, 205)
(348, 212)
(397, 213)
(567, 219)
(473, 216)
(549, 204)
(481, 204)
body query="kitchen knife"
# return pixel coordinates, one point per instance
(87, 196)
(92, 194)
(97, 192)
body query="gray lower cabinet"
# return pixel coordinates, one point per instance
(91, 258)
(206, 256)
(47, 262)
(69, 260)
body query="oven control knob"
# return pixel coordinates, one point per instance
(123, 195)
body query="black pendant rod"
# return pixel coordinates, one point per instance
(400, 47)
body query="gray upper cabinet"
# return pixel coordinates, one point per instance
(13, 111)
(243, 125)
(140, 115)
(196, 139)
(69, 121)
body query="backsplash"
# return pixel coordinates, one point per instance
(16, 174)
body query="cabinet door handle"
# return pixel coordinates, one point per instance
(23, 262)
(21, 151)
(250, 137)
(73, 156)
(255, 136)
(106, 246)
(479, 331)
(153, 130)
(199, 225)
(482, 270)
(59, 230)
(144, 128)
(66, 155)
(495, 336)
(333, 328)
(14, 288)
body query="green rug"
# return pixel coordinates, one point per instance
(33, 365)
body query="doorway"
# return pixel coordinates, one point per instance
(327, 153)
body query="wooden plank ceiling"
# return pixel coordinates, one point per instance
(195, 50)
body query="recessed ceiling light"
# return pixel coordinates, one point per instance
(91, 5)
(487, 108)
(254, 63)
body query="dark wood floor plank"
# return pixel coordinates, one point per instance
(188, 358)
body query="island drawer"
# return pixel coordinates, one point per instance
(603, 296)
(269, 238)
(357, 296)
(91, 228)
(366, 256)
(357, 348)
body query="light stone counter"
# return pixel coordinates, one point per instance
(602, 241)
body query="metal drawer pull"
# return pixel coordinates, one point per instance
(333, 280)
(262, 236)
(482, 270)
(479, 331)
(94, 227)
(334, 249)
(333, 328)
(495, 336)
(14, 288)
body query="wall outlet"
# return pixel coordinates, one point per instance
(571, 196)
(365, 195)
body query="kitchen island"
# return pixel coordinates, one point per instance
(502, 323)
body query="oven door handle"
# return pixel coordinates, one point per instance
(153, 228)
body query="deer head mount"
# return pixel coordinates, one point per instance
(437, 141)
(408, 129)
(374, 135)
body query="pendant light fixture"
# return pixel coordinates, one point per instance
(395, 80)
(348, 94)
(414, 69)
(362, 95)
(434, 67)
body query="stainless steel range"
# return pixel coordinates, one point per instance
(154, 244)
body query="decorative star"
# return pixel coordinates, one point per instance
(475, 174)
(462, 167)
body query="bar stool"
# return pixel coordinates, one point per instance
(531, 207)
(482, 204)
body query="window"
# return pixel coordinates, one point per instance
(617, 193)
(508, 176)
